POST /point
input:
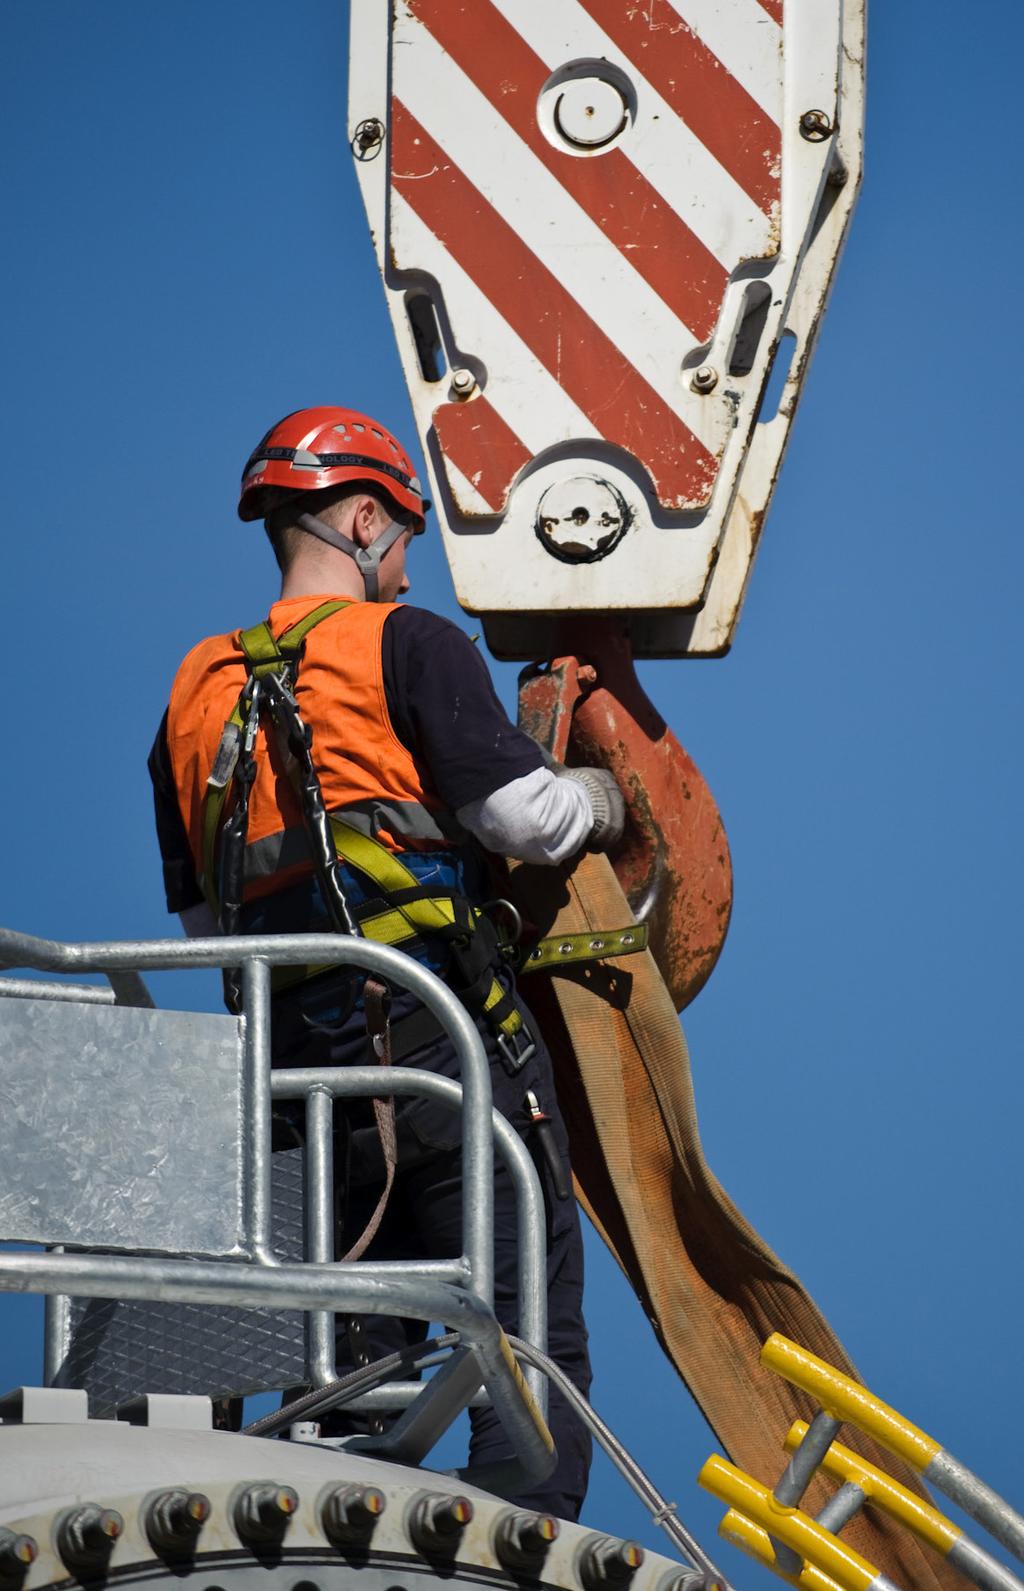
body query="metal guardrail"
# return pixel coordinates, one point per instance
(457, 1292)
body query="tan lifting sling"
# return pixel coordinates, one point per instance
(711, 1287)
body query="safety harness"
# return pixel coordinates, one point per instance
(401, 911)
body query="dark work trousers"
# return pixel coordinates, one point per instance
(423, 1218)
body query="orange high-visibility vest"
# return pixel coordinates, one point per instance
(365, 771)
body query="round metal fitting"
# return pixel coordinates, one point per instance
(705, 378)
(522, 1540)
(368, 138)
(86, 1536)
(436, 1523)
(582, 519)
(815, 125)
(263, 1511)
(590, 112)
(463, 383)
(17, 1554)
(586, 107)
(174, 1519)
(350, 1513)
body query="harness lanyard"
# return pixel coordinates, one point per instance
(236, 828)
(294, 736)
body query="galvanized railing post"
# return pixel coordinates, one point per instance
(256, 1063)
(531, 1245)
(320, 1225)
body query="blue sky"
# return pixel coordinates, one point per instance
(187, 259)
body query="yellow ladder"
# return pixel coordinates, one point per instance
(769, 1525)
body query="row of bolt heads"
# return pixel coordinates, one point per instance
(368, 137)
(173, 1522)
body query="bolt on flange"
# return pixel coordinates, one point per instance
(436, 1523)
(683, 1580)
(815, 126)
(17, 1555)
(705, 378)
(349, 1514)
(522, 1540)
(607, 1564)
(174, 1519)
(263, 1511)
(86, 1535)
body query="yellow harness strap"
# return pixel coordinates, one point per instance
(422, 915)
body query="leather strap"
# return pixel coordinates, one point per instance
(377, 998)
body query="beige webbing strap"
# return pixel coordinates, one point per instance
(377, 998)
(711, 1287)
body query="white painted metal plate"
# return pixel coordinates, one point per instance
(595, 221)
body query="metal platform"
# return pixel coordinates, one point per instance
(108, 1162)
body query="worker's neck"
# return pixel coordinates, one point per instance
(320, 574)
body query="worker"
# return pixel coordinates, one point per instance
(414, 762)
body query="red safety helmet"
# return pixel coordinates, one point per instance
(316, 448)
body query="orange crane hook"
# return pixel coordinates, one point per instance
(587, 706)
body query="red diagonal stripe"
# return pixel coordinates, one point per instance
(773, 8)
(619, 403)
(480, 444)
(699, 89)
(631, 214)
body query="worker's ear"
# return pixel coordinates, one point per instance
(364, 520)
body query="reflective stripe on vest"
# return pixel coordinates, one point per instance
(409, 821)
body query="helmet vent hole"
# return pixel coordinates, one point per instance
(357, 427)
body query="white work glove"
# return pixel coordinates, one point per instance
(606, 802)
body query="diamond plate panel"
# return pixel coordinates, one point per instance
(121, 1349)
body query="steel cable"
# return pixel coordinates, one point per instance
(662, 1512)
(337, 1393)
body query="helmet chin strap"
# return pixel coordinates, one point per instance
(367, 559)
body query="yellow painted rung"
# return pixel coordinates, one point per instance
(756, 1543)
(791, 1526)
(885, 1493)
(845, 1399)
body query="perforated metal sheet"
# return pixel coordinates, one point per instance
(121, 1349)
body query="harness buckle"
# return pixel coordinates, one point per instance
(517, 1048)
